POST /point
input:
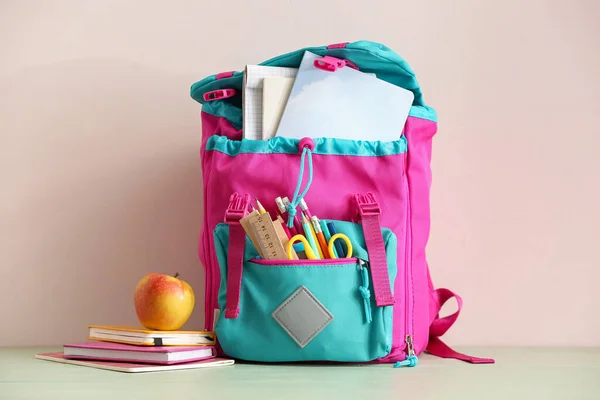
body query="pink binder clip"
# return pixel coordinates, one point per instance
(219, 94)
(329, 63)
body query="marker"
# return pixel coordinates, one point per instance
(261, 209)
(304, 208)
(309, 236)
(320, 237)
(338, 246)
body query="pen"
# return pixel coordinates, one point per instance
(309, 236)
(338, 246)
(320, 237)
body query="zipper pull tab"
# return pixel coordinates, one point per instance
(411, 359)
(364, 290)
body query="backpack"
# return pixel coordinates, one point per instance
(377, 306)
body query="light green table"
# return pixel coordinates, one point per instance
(518, 374)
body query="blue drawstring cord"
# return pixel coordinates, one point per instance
(291, 208)
(366, 294)
(411, 361)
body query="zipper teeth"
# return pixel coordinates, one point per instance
(408, 265)
(300, 263)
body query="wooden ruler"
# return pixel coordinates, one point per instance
(267, 237)
(246, 224)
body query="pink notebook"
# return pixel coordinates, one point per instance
(163, 355)
(134, 367)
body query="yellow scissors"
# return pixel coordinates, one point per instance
(308, 250)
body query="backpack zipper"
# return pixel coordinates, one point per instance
(410, 352)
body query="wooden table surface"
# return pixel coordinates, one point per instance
(519, 373)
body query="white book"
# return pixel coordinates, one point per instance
(345, 103)
(252, 96)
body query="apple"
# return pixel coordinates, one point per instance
(163, 302)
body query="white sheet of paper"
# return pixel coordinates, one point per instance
(346, 104)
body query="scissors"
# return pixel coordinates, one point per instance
(308, 250)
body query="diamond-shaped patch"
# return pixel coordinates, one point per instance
(302, 316)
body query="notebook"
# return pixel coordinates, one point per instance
(276, 90)
(145, 337)
(108, 351)
(252, 96)
(133, 367)
(345, 103)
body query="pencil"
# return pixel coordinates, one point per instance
(261, 209)
(285, 228)
(314, 233)
(320, 237)
(309, 236)
(327, 235)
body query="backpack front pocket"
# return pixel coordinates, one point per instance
(305, 310)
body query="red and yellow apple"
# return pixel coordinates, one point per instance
(163, 302)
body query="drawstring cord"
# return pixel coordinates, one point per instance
(291, 208)
(365, 293)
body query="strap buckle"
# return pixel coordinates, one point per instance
(328, 63)
(367, 204)
(219, 94)
(237, 208)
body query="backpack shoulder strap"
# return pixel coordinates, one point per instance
(439, 326)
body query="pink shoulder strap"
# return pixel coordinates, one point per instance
(439, 326)
(369, 211)
(238, 209)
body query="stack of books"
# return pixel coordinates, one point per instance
(132, 349)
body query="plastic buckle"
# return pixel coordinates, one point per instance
(237, 209)
(328, 63)
(367, 204)
(219, 94)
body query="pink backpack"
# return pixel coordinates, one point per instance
(376, 193)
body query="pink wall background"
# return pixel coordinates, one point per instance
(100, 171)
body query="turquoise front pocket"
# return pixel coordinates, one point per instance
(306, 310)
